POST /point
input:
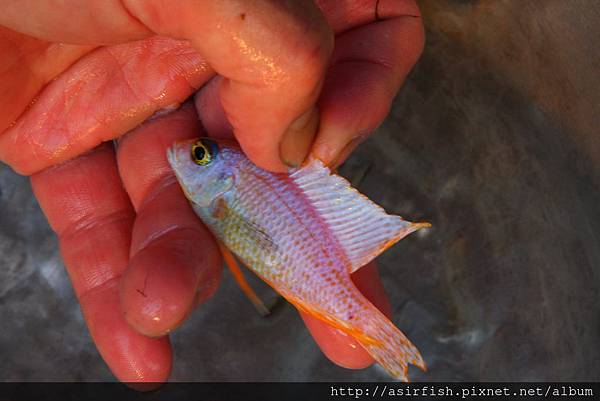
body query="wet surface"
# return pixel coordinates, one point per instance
(491, 139)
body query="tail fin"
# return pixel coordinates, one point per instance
(375, 332)
(382, 340)
(392, 350)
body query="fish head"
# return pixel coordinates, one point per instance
(205, 168)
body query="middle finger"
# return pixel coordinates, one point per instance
(175, 262)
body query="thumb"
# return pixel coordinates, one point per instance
(271, 54)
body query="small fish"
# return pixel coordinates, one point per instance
(303, 233)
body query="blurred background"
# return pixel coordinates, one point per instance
(494, 139)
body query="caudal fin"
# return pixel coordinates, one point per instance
(382, 340)
(392, 349)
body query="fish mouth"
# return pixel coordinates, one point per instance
(171, 155)
(172, 151)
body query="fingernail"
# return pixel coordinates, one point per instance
(298, 138)
(347, 150)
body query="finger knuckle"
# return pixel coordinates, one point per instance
(309, 63)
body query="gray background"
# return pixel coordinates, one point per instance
(494, 139)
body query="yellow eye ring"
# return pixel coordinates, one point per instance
(201, 154)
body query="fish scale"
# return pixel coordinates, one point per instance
(303, 238)
(303, 233)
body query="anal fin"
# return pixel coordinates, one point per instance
(333, 322)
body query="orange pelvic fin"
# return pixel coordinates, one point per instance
(241, 280)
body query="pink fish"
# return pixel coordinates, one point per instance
(303, 233)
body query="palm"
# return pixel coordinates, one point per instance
(139, 260)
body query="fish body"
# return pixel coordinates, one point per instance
(303, 233)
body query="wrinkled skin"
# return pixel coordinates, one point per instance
(139, 259)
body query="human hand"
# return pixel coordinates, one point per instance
(139, 259)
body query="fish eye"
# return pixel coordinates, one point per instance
(203, 151)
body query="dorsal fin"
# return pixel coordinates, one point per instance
(362, 227)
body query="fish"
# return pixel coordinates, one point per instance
(303, 232)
